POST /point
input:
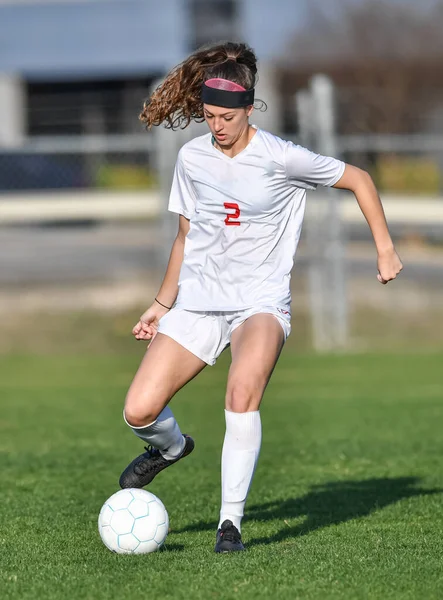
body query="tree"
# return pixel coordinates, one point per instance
(385, 57)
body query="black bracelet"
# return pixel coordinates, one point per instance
(164, 305)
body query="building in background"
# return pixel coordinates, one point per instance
(78, 71)
(74, 67)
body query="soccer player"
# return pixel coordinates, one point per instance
(240, 195)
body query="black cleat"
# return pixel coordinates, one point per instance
(145, 467)
(228, 538)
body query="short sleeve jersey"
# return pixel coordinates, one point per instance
(245, 215)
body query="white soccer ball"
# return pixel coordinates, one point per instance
(133, 521)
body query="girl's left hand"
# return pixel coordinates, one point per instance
(389, 266)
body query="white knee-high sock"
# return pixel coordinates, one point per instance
(240, 452)
(164, 434)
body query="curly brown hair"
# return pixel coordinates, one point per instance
(177, 101)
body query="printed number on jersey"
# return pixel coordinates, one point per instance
(234, 213)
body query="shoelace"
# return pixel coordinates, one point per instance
(144, 466)
(230, 535)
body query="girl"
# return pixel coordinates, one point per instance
(240, 196)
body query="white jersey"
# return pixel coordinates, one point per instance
(246, 215)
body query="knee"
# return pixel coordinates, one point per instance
(139, 413)
(243, 396)
(138, 418)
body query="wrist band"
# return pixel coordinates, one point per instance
(164, 305)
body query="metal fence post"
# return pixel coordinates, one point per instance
(167, 144)
(166, 147)
(319, 324)
(335, 301)
(326, 271)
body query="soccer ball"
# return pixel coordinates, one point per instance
(133, 521)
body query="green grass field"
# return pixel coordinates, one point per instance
(346, 501)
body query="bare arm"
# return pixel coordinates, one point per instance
(147, 326)
(360, 183)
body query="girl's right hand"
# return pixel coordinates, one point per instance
(147, 327)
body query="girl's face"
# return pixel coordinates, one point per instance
(227, 124)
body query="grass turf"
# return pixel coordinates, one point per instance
(346, 501)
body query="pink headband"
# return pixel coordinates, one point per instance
(224, 84)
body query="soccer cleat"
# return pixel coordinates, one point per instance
(228, 538)
(145, 467)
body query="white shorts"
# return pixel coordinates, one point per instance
(207, 334)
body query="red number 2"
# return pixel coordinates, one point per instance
(231, 216)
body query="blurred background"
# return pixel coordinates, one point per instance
(84, 231)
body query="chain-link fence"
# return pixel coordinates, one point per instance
(81, 143)
(397, 137)
(94, 162)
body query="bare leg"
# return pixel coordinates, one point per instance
(255, 347)
(166, 367)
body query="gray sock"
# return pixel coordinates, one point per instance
(164, 434)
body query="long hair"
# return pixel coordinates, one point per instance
(177, 101)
